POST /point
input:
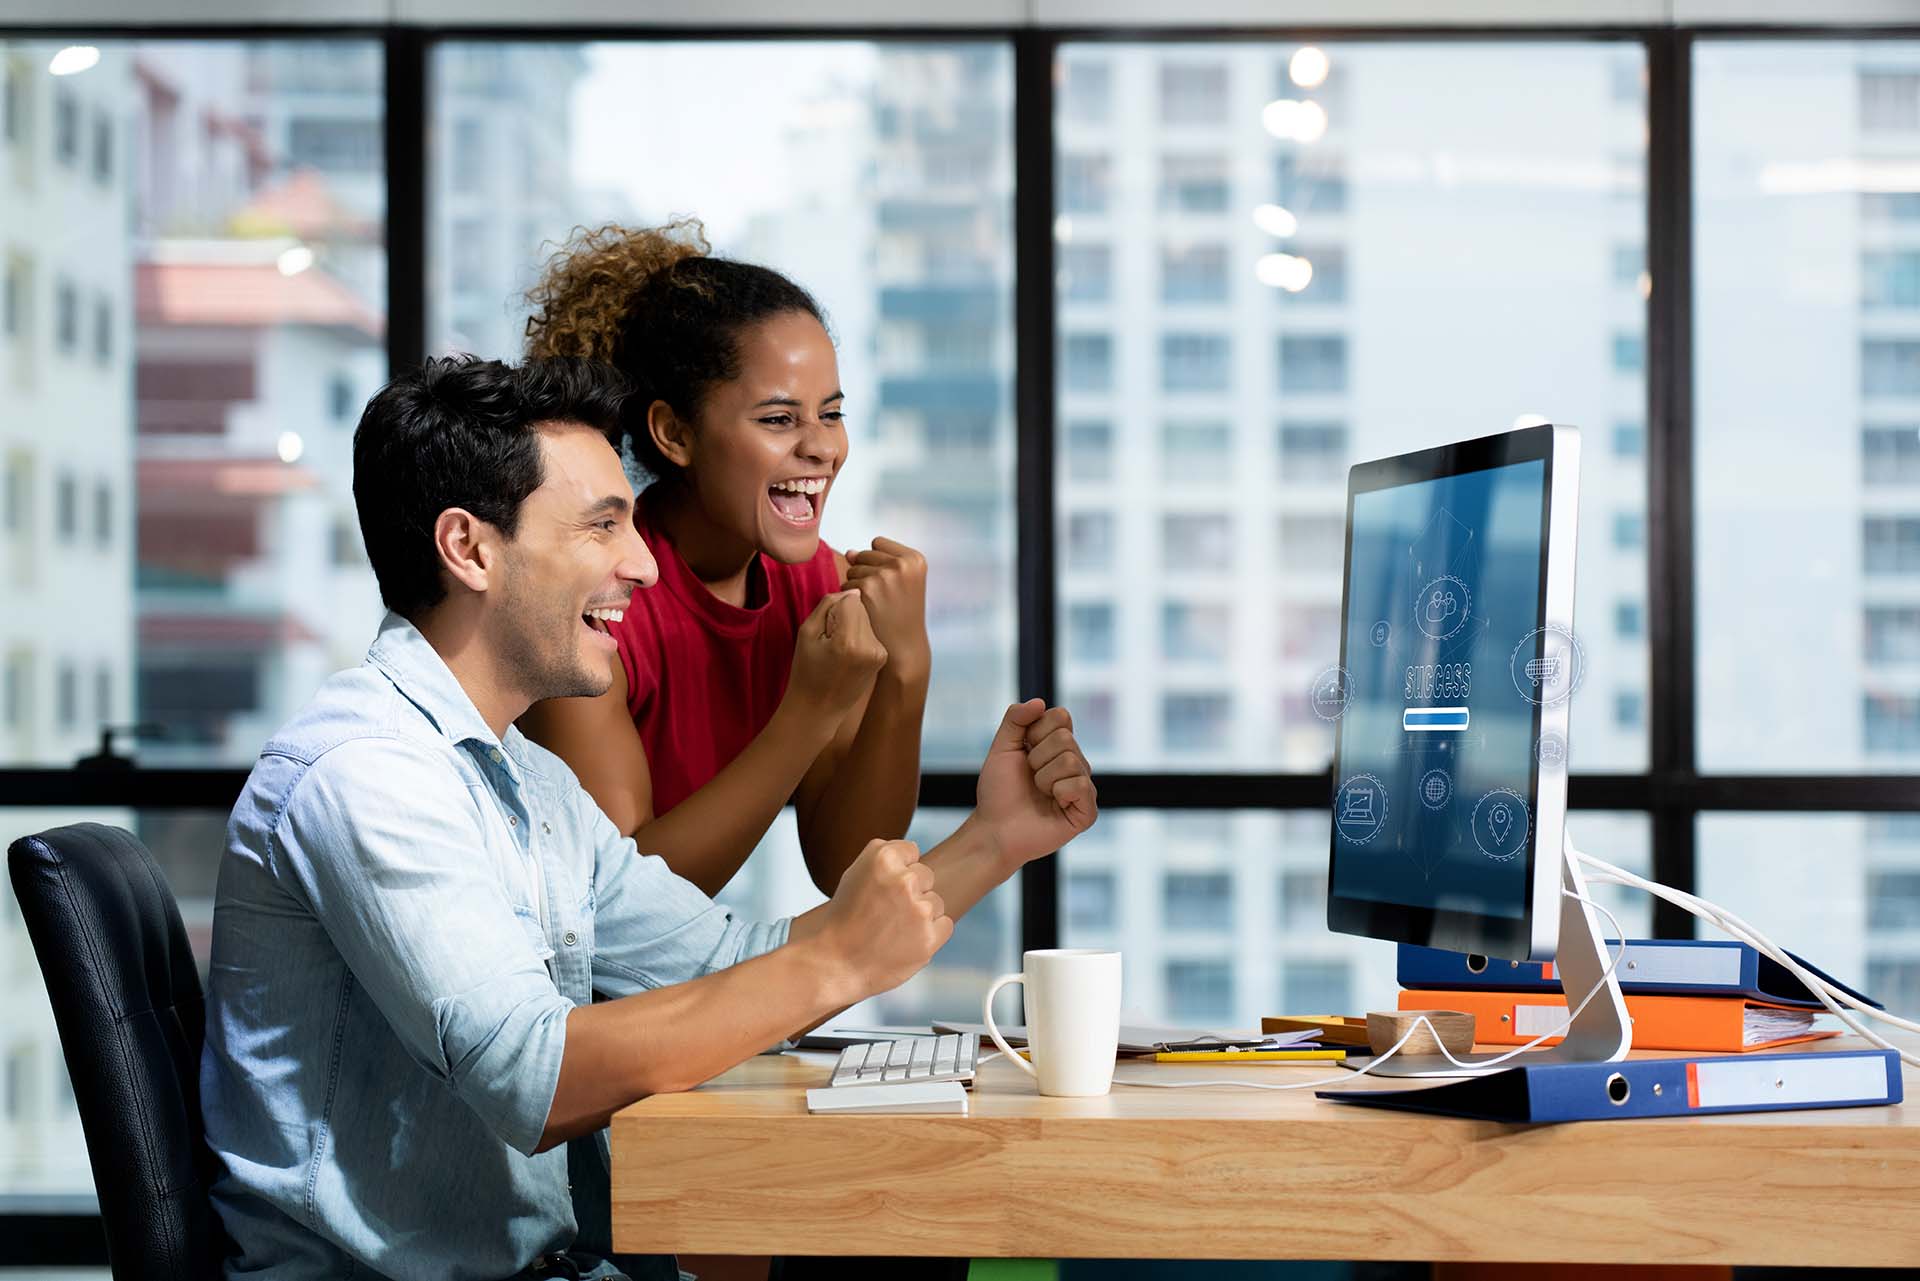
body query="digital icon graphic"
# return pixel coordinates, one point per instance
(1500, 823)
(1382, 633)
(1441, 608)
(1360, 808)
(1551, 750)
(1548, 665)
(1436, 788)
(1332, 689)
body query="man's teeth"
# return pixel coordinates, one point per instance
(809, 485)
(607, 615)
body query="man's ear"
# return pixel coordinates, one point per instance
(671, 436)
(468, 548)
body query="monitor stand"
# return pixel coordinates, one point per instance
(1602, 1033)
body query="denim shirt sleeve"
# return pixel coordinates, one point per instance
(384, 841)
(652, 927)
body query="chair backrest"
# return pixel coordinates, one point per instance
(126, 998)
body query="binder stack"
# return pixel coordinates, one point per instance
(1695, 995)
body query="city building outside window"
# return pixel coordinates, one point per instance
(66, 507)
(1890, 367)
(1090, 900)
(1194, 182)
(1193, 273)
(1085, 183)
(66, 316)
(1312, 451)
(1193, 93)
(1197, 901)
(1890, 279)
(1200, 451)
(1313, 363)
(1086, 94)
(1090, 540)
(1890, 454)
(66, 127)
(1193, 362)
(1196, 632)
(1316, 986)
(1086, 273)
(1089, 447)
(1889, 101)
(1196, 722)
(1199, 991)
(1086, 362)
(1197, 541)
(1090, 631)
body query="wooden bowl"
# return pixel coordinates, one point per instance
(1384, 1028)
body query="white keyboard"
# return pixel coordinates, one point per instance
(915, 1060)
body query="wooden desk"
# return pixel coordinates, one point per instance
(739, 1167)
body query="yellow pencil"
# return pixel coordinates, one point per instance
(1244, 1056)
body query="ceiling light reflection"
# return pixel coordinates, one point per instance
(74, 59)
(1283, 271)
(1275, 220)
(1308, 67)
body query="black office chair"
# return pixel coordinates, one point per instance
(126, 997)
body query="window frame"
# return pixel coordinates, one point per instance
(1671, 790)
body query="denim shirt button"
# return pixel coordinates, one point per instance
(546, 829)
(513, 820)
(570, 938)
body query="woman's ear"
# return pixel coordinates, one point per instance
(672, 436)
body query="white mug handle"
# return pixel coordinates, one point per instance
(994, 1032)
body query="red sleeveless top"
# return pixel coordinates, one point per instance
(703, 676)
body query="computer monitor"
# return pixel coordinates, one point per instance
(1458, 663)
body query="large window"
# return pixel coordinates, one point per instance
(1266, 267)
(878, 176)
(1808, 534)
(175, 320)
(1465, 241)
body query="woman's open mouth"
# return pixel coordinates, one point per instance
(798, 501)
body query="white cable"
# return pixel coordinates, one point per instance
(1394, 1049)
(1829, 995)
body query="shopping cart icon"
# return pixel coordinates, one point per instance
(1545, 671)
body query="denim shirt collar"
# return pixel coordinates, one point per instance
(409, 660)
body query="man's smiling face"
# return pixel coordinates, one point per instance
(574, 561)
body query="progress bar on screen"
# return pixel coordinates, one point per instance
(1434, 718)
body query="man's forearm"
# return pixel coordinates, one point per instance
(673, 1038)
(875, 787)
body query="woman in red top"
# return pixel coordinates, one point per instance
(765, 666)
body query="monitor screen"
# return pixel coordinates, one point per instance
(1435, 766)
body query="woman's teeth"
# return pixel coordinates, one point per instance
(805, 485)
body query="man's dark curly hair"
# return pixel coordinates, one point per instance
(461, 432)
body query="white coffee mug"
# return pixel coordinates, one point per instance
(1073, 1018)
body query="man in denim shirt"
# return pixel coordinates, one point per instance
(417, 904)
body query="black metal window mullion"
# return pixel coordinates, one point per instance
(406, 122)
(1672, 744)
(1035, 585)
